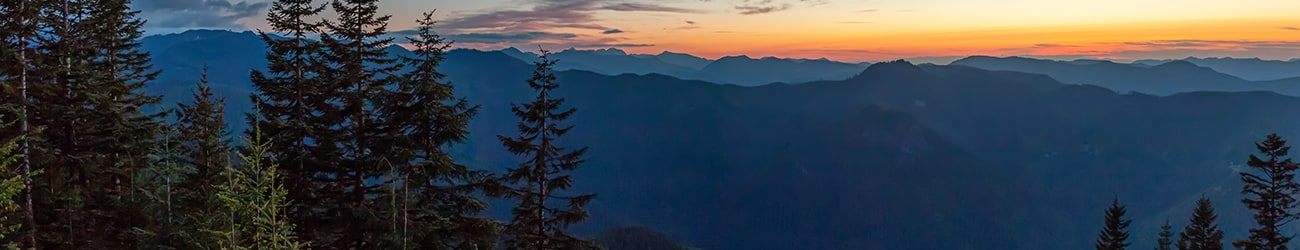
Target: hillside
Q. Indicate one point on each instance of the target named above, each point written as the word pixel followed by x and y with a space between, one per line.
pixel 894 157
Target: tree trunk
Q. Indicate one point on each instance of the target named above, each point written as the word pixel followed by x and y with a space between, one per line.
pixel 24 164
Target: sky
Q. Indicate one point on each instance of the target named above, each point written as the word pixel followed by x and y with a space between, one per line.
pixel 845 30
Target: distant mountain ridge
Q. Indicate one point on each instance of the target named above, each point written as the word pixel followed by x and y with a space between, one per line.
pixel 1166 78
pixel 1253 69
pixel 739 70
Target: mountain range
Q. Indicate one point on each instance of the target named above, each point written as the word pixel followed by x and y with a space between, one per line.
pixel 985 153
pixel 739 70
pixel 1165 78
pixel 1253 69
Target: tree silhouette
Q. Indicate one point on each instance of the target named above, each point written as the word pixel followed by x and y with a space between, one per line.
pixel 1270 194
pixel 1163 242
pixel 1202 233
pixel 537 223
pixel 288 100
pixel 433 199
pixel 1114 236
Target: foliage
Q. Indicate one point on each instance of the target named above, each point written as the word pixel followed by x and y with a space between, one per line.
pixel 538 182
pixel 11 185
pixel 256 200
pixel 163 223
pixel 288 98
pixel 205 153
pixel 1164 242
pixel 92 135
pixel 433 196
pixel 1271 193
pixel 1202 233
pixel 18 30
pixel 1114 236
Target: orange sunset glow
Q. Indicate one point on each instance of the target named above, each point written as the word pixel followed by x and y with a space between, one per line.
pixel 884 30
pixel 870 30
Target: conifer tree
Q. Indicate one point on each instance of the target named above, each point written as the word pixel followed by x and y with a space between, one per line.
pixel 256 199
pixel 163 224
pixel 345 209
pixel 1164 242
pixel 535 184
pixel 118 73
pixel 18 30
pixel 434 197
pixel 54 106
pixel 203 145
pixel 11 184
pixel 288 98
pixel 1270 192
pixel 206 153
pixel 1202 233
pixel 1114 236
pixel 94 135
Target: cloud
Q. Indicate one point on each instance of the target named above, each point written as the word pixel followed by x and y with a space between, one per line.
pixel 539 22
pixel 752 7
pixel 549 14
pixel 198 13
pixel 1233 45
pixel 647 7
pixel 1054 45
pixel 497 38
pixel 690 25
pixel 1153 49
pixel 761 9
pixel 1290 28
pixel 608 45
pixel 815 2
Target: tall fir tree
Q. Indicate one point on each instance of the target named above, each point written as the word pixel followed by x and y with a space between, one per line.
pixel 54 106
pixel 94 133
pixel 203 148
pixel 1164 239
pixel 1270 193
pixel 289 96
pixel 432 196
pixel 18 29
pixel 1202 233
pixel 203 133
pixel 347 213
pixel 119 71
pixel 535 184
pixel 1114 236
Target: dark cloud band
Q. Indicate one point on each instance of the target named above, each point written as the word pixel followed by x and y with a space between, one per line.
pixel 198 13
